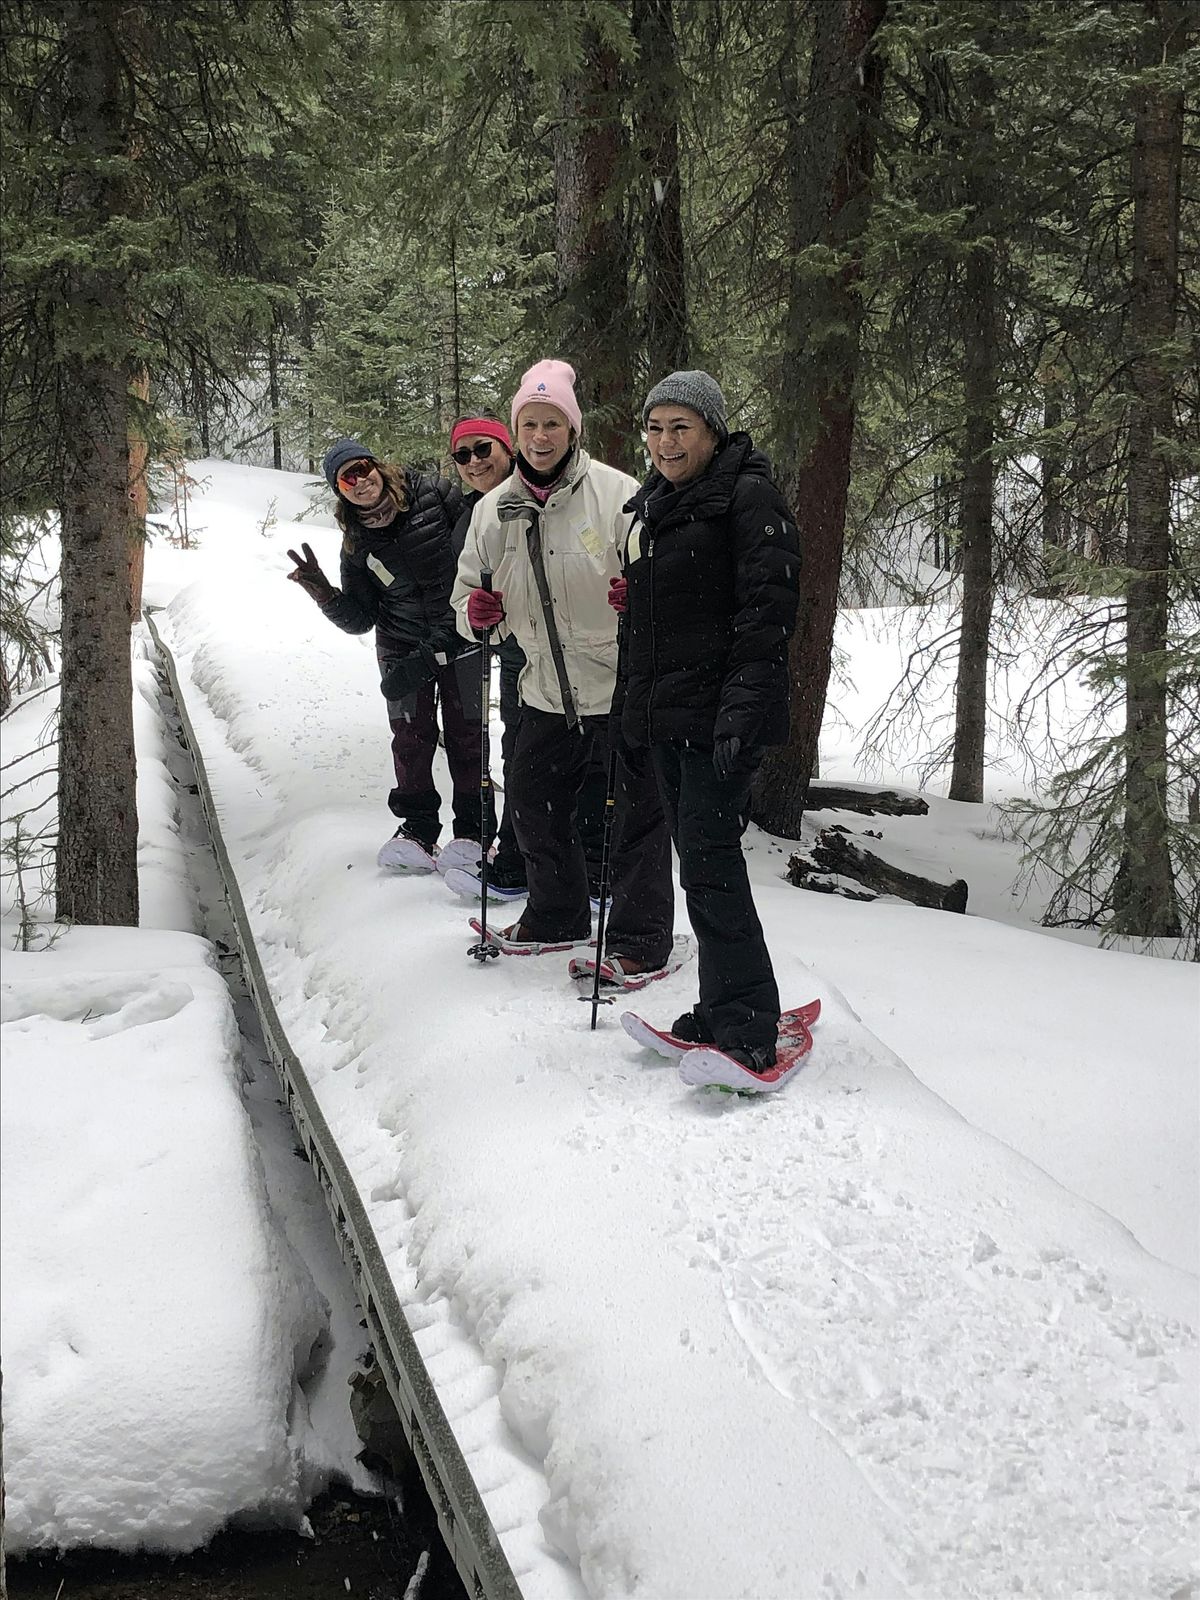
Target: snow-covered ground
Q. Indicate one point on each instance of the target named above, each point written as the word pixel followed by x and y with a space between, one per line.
pixel 154 1318
pixel 919 1325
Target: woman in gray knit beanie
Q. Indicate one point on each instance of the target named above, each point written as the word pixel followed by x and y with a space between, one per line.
pixel 699 393
pixel 709 588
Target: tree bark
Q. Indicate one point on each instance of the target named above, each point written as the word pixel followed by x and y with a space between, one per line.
pixel 979 424
pixel 273 396
pixel 452 352
pixel 592 249
pixel 656 129
pixel 96 879
pixel 1144 891
pixel 1055 531
pixel 139 494
pixel 835 852
pixel 865 802
pixel 829 173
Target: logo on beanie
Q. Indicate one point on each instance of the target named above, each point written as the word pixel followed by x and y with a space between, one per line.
pixel 541 388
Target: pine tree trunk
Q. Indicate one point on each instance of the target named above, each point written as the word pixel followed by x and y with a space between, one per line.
pixel 139 495
pixel 829 172
pixel 451 353
pixel 97 812
pixel 978 580
pixel 201 398
pixel 656 128
pixel 979 406
pixel 1054 510
pixel 592 250
pixel 1144 892
pixel 273 396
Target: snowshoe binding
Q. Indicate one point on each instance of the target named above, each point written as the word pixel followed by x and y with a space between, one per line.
pixel 613 977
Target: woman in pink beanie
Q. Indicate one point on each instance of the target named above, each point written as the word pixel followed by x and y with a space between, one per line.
pixel 552 537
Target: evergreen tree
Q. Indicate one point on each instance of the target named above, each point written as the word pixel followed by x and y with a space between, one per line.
pixel 134 213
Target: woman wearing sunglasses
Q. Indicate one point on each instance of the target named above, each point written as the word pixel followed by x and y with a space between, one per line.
pixel 397 569
pixel 550 536
pixel 481 449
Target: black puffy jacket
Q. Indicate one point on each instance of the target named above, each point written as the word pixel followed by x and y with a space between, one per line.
pixel 397 579
pixel 713 570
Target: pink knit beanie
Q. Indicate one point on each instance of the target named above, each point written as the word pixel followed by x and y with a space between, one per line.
pixel 553 383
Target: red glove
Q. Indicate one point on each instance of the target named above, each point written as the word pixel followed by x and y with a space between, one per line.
pixel 484 608
pixel 618 594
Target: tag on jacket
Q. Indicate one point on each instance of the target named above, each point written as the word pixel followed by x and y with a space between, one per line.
pixel 590 539
pixel 633 545
pixel 386 578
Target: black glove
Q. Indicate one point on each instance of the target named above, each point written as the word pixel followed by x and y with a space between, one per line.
pixel 725 754
pixel 408 674
pixel 309 576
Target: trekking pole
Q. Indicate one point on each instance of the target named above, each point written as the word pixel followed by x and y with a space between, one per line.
pixel 487 949
pixel 596 999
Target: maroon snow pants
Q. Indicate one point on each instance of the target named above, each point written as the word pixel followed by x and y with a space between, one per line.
pixel 458 689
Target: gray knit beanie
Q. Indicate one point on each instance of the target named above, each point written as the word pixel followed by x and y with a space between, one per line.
pixel 694 389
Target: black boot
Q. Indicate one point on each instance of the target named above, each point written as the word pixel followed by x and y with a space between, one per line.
pixel 757 1057
pixel 692 1028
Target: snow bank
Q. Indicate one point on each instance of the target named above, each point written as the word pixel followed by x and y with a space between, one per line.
pixel 154 1322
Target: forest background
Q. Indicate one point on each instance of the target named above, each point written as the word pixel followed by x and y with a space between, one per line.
pixel 940 254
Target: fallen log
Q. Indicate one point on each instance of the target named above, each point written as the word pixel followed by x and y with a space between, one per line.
pixel 836 853
pixel 866 802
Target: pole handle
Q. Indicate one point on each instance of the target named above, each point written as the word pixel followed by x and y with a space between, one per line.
pixel 485 580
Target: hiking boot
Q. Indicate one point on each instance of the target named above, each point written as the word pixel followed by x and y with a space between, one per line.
pixel 404 853
pixel 507 877
pixel 755 1057
pixel 692 1028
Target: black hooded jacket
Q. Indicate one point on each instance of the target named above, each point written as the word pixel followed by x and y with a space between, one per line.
pixel 713 570
pixel 397 579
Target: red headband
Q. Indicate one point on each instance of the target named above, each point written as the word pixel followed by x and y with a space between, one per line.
pixel 488 427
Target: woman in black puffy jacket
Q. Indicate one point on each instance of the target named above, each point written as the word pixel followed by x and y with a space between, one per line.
pixel 397 569
pixel 710 585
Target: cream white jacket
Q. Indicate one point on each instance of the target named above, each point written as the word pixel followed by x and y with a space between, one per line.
pixel 583 531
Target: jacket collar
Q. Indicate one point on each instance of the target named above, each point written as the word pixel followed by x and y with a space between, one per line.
pixel 709 495
pixel 515 494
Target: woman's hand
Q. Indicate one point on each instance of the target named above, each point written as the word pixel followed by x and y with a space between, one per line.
pixel 485 608
pixel 309 576
pixel 618 594
pixel 725 754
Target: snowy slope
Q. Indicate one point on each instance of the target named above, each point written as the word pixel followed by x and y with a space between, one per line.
pixel 154 1319
pixel 842 1343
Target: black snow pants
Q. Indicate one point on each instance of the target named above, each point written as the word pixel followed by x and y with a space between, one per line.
pixel 590 819
pixel 549 771
pixel 458 688
pixel 707 816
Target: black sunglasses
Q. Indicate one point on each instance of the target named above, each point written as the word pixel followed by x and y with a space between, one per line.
pixel 463 454
pixel 351 474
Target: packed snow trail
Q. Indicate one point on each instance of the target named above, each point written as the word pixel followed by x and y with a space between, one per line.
pixel 833 1343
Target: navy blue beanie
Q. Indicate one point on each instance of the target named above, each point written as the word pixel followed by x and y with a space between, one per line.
pixel 339 454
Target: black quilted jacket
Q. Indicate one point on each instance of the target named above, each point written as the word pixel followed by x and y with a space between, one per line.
pixel 397 579
pixel 713 570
